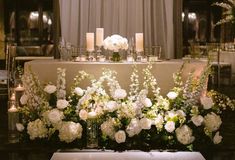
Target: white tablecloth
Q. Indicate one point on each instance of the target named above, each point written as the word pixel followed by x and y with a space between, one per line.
pixel 128 155
pixel 163 71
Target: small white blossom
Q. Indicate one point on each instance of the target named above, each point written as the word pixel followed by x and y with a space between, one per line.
pixel 62 103
pixel 120 136
pixel 170 126
pixel 50 89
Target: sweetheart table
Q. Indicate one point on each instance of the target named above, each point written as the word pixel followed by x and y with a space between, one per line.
pixel 163 71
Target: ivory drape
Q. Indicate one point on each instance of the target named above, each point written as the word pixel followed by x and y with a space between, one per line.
pixel 125 17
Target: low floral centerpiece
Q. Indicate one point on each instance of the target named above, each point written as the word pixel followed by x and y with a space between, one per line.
pixel 104 115
pixel 115 43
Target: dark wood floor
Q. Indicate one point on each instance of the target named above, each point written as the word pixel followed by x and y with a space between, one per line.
pixel 226 151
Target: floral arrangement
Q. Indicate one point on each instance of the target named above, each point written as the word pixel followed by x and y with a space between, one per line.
pixel 115 43
pixel 141 119
pixel 229 13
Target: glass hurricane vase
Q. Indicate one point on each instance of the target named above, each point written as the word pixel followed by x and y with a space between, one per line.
pixel 92 133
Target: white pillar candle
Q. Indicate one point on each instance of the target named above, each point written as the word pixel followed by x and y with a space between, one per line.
pixel 13 97
pixel 139 42
pixel 99 36
pixel 90 42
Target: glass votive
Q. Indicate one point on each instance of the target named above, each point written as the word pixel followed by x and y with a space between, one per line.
pixel 153 58
pixel 83 58
pixel 101 58
pixel 144 59
pixel 130 58
pixel 13 118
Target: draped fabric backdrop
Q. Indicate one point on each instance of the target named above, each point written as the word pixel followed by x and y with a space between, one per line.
pixel 125 17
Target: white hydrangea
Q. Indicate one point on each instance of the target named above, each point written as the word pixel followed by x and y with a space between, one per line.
pixel 145 123
pixel 207 102
pixel 24 99
pixel 120 136
pixel 62 103
pixel 119 94
pixel 108 129
pixel 19 127
pixel 78 91
pixel 83 114
pixel 172 95
pixel 115 43
pixel 170 126
pixel 184 135
pixel 217 138
pixel 111 106
pixel 212 121
pixel 37 129
pixel 70 131
pixel 197 120
pixel 147 102
pixel 133 128
pixel 50 88
pixel 55 116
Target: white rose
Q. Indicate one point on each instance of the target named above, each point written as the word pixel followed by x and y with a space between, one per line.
pixel 24 99
pixel 172 95
pixel 197 120
pixel 170 126
pixel 62 103
pixel 147 102
pixel 120 136
pixel 217 138
pixel 184 135
pixel 207 102
pixel 212 121
pixel 111 106
pixel 55 116
pixel 119 94
pixel 19 127
pixel 83 114
pixel 70 131
pixel 78 91
pixel 50 88
pixel 92 115
pixel 145 123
